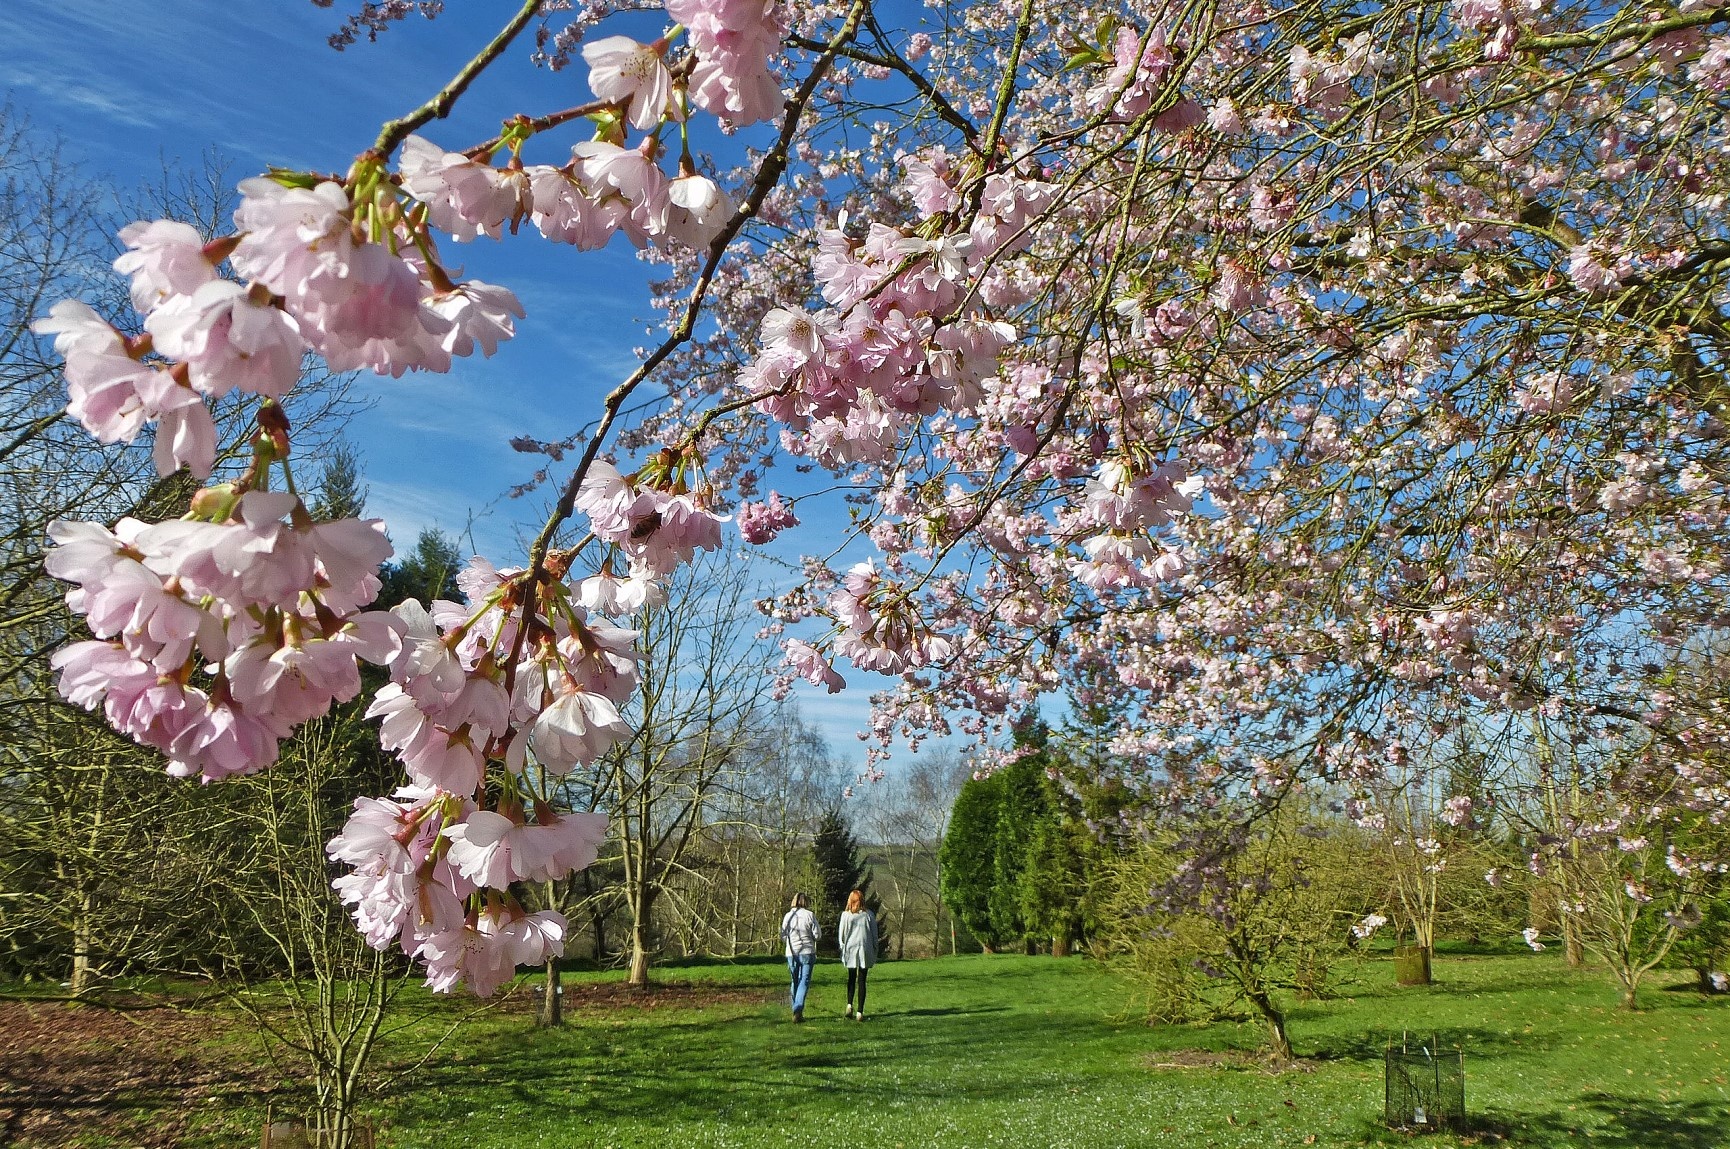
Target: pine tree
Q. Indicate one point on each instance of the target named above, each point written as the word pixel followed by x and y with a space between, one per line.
pixel 340 493
pixel 1022 809
pixel 425 573
pixel 1054 880
pixel 840 870
pixel 1023 806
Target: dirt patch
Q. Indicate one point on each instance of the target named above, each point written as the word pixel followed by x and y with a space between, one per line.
pixel 1223 1059
pixel 73 1073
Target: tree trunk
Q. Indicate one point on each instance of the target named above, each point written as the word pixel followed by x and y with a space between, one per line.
pixel 1028 947
pixel 642 905
pixel 1412 965
pixel 639 977
pixel 1572 945
pixel 1630 980
pixel 1279 1044
pixel 552 998
pixel 79 983
pixel 1059 946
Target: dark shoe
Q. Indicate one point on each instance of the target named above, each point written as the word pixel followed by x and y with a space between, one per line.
pixel 798 1015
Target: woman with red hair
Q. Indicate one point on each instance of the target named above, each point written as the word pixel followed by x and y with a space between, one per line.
pixel 858 936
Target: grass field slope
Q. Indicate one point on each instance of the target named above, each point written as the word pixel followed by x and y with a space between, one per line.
pixel 1032 1051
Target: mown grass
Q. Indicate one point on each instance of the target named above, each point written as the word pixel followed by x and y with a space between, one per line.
pixel 982 1051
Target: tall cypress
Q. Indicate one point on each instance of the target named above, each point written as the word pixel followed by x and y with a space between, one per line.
pixel 967 859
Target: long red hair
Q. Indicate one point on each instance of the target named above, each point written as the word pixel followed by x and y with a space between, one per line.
pixel 855 902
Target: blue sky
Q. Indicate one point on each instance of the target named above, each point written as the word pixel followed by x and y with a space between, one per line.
pixel 132 87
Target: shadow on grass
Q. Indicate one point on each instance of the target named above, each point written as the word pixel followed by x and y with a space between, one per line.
pixel 1475 1042
pixel 1703 993
pixel 1603 1120
pixel 953 1012
pixel 758 1063
pixel 1616 1121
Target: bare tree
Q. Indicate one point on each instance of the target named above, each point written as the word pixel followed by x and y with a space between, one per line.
pixel 99 840
pixel 322 999
pixel 907 816
pixel 757 846
pixel 700 716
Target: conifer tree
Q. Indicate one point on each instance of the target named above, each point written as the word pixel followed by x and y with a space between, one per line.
pixel 841 869
pixel 968 857
pixel 425 573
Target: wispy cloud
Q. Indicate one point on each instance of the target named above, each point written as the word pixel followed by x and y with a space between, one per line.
pixel 409 508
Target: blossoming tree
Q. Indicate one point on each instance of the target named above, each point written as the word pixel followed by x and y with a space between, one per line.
pixel 1294 361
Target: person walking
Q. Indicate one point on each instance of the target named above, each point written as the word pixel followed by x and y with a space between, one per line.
pixel 799 929
pixel 858 937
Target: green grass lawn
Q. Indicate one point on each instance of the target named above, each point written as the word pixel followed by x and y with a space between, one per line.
pixel 980 1051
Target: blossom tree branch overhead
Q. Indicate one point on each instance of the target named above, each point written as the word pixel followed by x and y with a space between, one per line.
pixel 1322 372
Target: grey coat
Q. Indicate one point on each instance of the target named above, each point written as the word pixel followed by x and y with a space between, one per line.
pixel 858 939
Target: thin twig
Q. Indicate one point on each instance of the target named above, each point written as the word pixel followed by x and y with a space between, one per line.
pixel 768 175
pixel 437 108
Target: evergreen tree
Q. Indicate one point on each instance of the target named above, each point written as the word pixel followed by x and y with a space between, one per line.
pixel 1022 808
pixel 425 573
pixel 1087 790
pixel 340 493
pixel 1054 881
pixel 968 857
pixel 1024 805
pixel 840 870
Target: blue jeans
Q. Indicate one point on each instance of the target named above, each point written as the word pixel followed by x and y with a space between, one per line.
pixel 799 978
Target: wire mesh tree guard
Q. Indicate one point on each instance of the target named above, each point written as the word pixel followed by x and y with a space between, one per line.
pixel 1426 1086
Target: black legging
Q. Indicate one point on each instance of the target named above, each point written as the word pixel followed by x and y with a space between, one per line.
pixel 856 977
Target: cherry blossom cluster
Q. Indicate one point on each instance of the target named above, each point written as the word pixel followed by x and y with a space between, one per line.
pixel 605 189
pixel 473 684
pixel 761 522
pixel 651 517
pixel 217 635
pixel 432 873
pixel 341 271
pixel 733 41
pixel 267 601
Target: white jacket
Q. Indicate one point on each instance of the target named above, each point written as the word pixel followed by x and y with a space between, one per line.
pixel 799 929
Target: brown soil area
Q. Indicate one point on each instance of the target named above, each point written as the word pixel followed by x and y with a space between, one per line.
pixel 134 1075
pixel 72 1074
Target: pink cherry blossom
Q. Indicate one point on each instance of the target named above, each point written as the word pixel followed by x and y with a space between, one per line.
pixel 808 663
pixel 697 210
pixel 478 314
pixel 622 70
pixel 761 522
pixel 165 259
pixel 229 341
pixel 606 593
pixel 578 727
pixel 464 198
pixel 733 40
